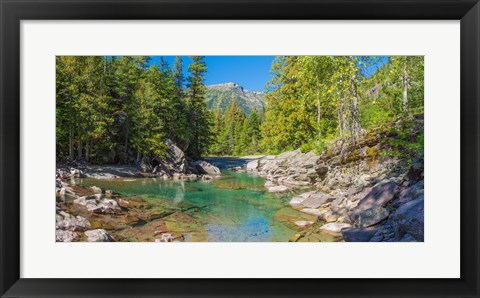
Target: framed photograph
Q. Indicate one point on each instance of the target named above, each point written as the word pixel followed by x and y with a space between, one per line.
pixel 237 148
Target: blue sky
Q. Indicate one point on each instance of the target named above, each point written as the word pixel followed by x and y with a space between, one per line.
pixel 251 72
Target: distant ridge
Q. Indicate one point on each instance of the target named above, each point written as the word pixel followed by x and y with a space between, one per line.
pixel 221 96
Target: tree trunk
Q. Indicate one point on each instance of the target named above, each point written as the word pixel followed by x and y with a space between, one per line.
pixel 355 121
pixel 87 149
pixel 139 157
pixel 127 128
pixel 319 115
pixel 70 142
pixel 79 147
pixel 405 89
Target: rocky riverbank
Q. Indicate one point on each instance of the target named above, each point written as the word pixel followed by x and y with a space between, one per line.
pixel 100 215
pixel 372 190
pixel 365 192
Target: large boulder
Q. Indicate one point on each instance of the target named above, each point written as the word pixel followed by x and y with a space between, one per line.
pixel 97 203
pixel 98 235
pixel 372 216
pixel 291 168
pixel 411 193
pixel 410 218
pixel 203 167
pixel 173 161
pixel 380 195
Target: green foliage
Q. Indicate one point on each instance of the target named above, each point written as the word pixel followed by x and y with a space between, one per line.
pixel 313 100
pixel 119 109
pixel 234 133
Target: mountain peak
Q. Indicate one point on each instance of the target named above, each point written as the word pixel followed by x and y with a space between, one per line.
pixel 220 96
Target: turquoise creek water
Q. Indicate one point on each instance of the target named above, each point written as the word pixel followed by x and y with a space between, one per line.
pixel 235 207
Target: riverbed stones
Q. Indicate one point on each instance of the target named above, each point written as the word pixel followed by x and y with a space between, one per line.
pixel 98 235
pixel 96 203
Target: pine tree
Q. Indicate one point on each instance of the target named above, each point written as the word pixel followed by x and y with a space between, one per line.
pixel 199 117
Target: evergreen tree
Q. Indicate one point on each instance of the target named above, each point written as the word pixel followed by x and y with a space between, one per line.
pixel 199 117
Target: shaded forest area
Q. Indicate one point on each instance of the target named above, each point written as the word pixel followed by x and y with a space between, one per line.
pixel 121 109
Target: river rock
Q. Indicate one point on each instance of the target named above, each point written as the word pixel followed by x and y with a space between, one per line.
pixel 379 196
pixel 292 168
pixel 65 236
pixel 330 216
pixel 96 203
pixel 358 234
pixel 335 227
pixel 303 223
pixel 278 188
pixel 252 165
pixel 65 221
pixel 96 189
pixel 372 216
pixel 410 218
pixel 312 211
pixel 416 170
pixel 311 199
pixel 317 199
pixel 77 173
pixel 411 193
pixel 98 235
pixel 174 161
pixel 203 167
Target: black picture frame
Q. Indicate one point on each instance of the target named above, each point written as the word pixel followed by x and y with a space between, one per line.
pixel 13 11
